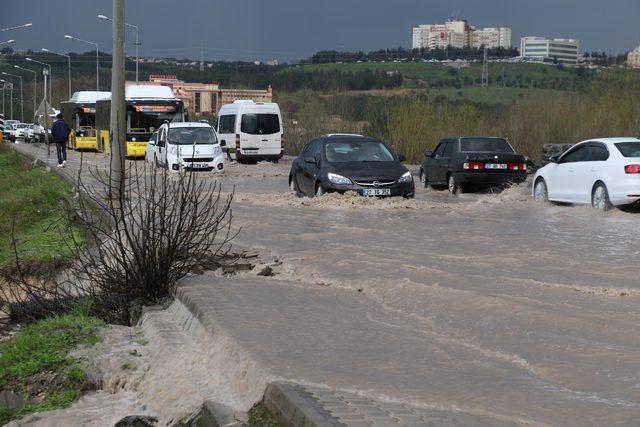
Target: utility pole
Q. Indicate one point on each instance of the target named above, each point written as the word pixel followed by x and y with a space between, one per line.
pixel 45 73
pixel 118 127
pixel 201 56
pixel 485 68
pixel 11 99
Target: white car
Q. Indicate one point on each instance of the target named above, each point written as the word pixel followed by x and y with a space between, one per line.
pixel 21 132
pixel 188 146
pixel 603 172
pixel 31 136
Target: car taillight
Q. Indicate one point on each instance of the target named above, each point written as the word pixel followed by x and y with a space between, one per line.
pixel 517 166
pixel 473 166
pixel 282 141
pixel 632 169
pixel 237 141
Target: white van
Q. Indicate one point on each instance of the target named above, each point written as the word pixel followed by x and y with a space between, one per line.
pixel 254 128
pixel 188 146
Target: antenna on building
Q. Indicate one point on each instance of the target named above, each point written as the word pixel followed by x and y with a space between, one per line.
pixel 485 68
pixel 201 56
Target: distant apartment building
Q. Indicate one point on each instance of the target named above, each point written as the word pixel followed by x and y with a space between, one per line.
pixel 459 34
pixel 563 51
pixel 633 60
pixel 205 98
pixel 491 37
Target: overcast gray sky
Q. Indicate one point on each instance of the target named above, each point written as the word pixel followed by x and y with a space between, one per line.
pixel 293 29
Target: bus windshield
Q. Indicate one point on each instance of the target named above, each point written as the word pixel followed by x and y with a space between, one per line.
pixel 85 117
pixel 148 117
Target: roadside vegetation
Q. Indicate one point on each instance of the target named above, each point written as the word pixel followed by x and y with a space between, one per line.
pixel 415 122
pixel 36 367
pixel 31 203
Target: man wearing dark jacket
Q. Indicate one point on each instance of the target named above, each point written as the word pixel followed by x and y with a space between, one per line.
pixel 60 132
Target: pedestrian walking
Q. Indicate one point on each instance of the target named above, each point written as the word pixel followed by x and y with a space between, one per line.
pixel 60 132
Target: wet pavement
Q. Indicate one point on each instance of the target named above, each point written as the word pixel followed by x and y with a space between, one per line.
pixel 525 311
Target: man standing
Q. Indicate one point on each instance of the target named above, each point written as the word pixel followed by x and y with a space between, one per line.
pixel 60 132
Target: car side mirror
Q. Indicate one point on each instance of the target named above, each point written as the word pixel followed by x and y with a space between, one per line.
pixel 223 143
pixel 311 160
pixel 554 159
pixel 402 158
pixel 428 154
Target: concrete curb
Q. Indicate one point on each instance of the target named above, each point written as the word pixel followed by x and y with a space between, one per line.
pixel 292 406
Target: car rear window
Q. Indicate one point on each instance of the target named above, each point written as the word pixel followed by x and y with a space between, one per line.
pixel 227 124
pixel 260 124
pixel 629 149
pixel 485 145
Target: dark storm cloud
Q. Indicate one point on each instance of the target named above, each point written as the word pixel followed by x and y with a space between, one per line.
pixel 286 29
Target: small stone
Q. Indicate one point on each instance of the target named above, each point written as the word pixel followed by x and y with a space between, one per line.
pixel 267 271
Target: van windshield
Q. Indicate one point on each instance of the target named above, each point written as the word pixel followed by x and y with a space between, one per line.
pixel 260 124
pixel 190 136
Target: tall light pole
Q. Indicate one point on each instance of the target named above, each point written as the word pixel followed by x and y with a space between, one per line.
pixel 4 82
pixel 45 82
pixel 35 86
pixel 68 68
pixel 67 36
pixel 137 44
pixel 17 27
pixel 21 97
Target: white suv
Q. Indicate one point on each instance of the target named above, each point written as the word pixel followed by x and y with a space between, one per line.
pixel 188 146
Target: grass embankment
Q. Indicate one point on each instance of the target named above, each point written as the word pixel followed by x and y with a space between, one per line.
pixel 32 199
pixel 36 364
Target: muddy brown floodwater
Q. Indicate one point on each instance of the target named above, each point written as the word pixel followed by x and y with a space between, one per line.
pixel 550 294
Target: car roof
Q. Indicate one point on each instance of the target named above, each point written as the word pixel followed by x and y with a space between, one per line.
pixel 346 137
pixel 190 125
pixel 610 141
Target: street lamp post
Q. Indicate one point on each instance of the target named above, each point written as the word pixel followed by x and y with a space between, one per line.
pixel 35 86
pixel 50 77
pixel 3 84
pixel 68 69
pixel 67 36
pixel 16 27
pixel 137 44
pixel 21 97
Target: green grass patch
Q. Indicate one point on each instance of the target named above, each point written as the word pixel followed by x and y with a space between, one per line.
pixel 36 364
pixel 494 95
pixel 259 416
pixel 33 198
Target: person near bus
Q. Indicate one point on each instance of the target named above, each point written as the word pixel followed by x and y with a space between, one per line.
pixel 60 132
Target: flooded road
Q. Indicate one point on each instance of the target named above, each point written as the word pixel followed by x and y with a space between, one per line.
pixel 489 304
pixel 551 292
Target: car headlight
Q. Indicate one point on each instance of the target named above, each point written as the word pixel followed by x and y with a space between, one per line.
pixel 334 178
pixel 217 151
pixel 173 150
pixel 406 177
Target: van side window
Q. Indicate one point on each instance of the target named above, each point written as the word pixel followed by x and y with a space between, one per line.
pixel 227 124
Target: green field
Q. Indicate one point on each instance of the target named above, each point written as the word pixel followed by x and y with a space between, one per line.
pixel 494 95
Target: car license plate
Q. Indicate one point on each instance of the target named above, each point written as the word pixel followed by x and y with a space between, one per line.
pixel 198 165
pixel 373 192
pixel 495 166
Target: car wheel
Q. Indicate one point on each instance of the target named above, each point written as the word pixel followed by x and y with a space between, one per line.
pixel 454 187
pixel 600 198
pixel 423 180
pixel 540 191
pixel 319 190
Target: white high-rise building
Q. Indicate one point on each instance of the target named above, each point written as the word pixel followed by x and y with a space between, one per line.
pixel 633 60
pixel 564 51
pixel 459 34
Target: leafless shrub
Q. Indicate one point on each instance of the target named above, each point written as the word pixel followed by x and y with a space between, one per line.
pixel 135 249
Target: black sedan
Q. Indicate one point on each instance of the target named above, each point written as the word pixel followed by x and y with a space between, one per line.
pixel 465 162
pixel 341 163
